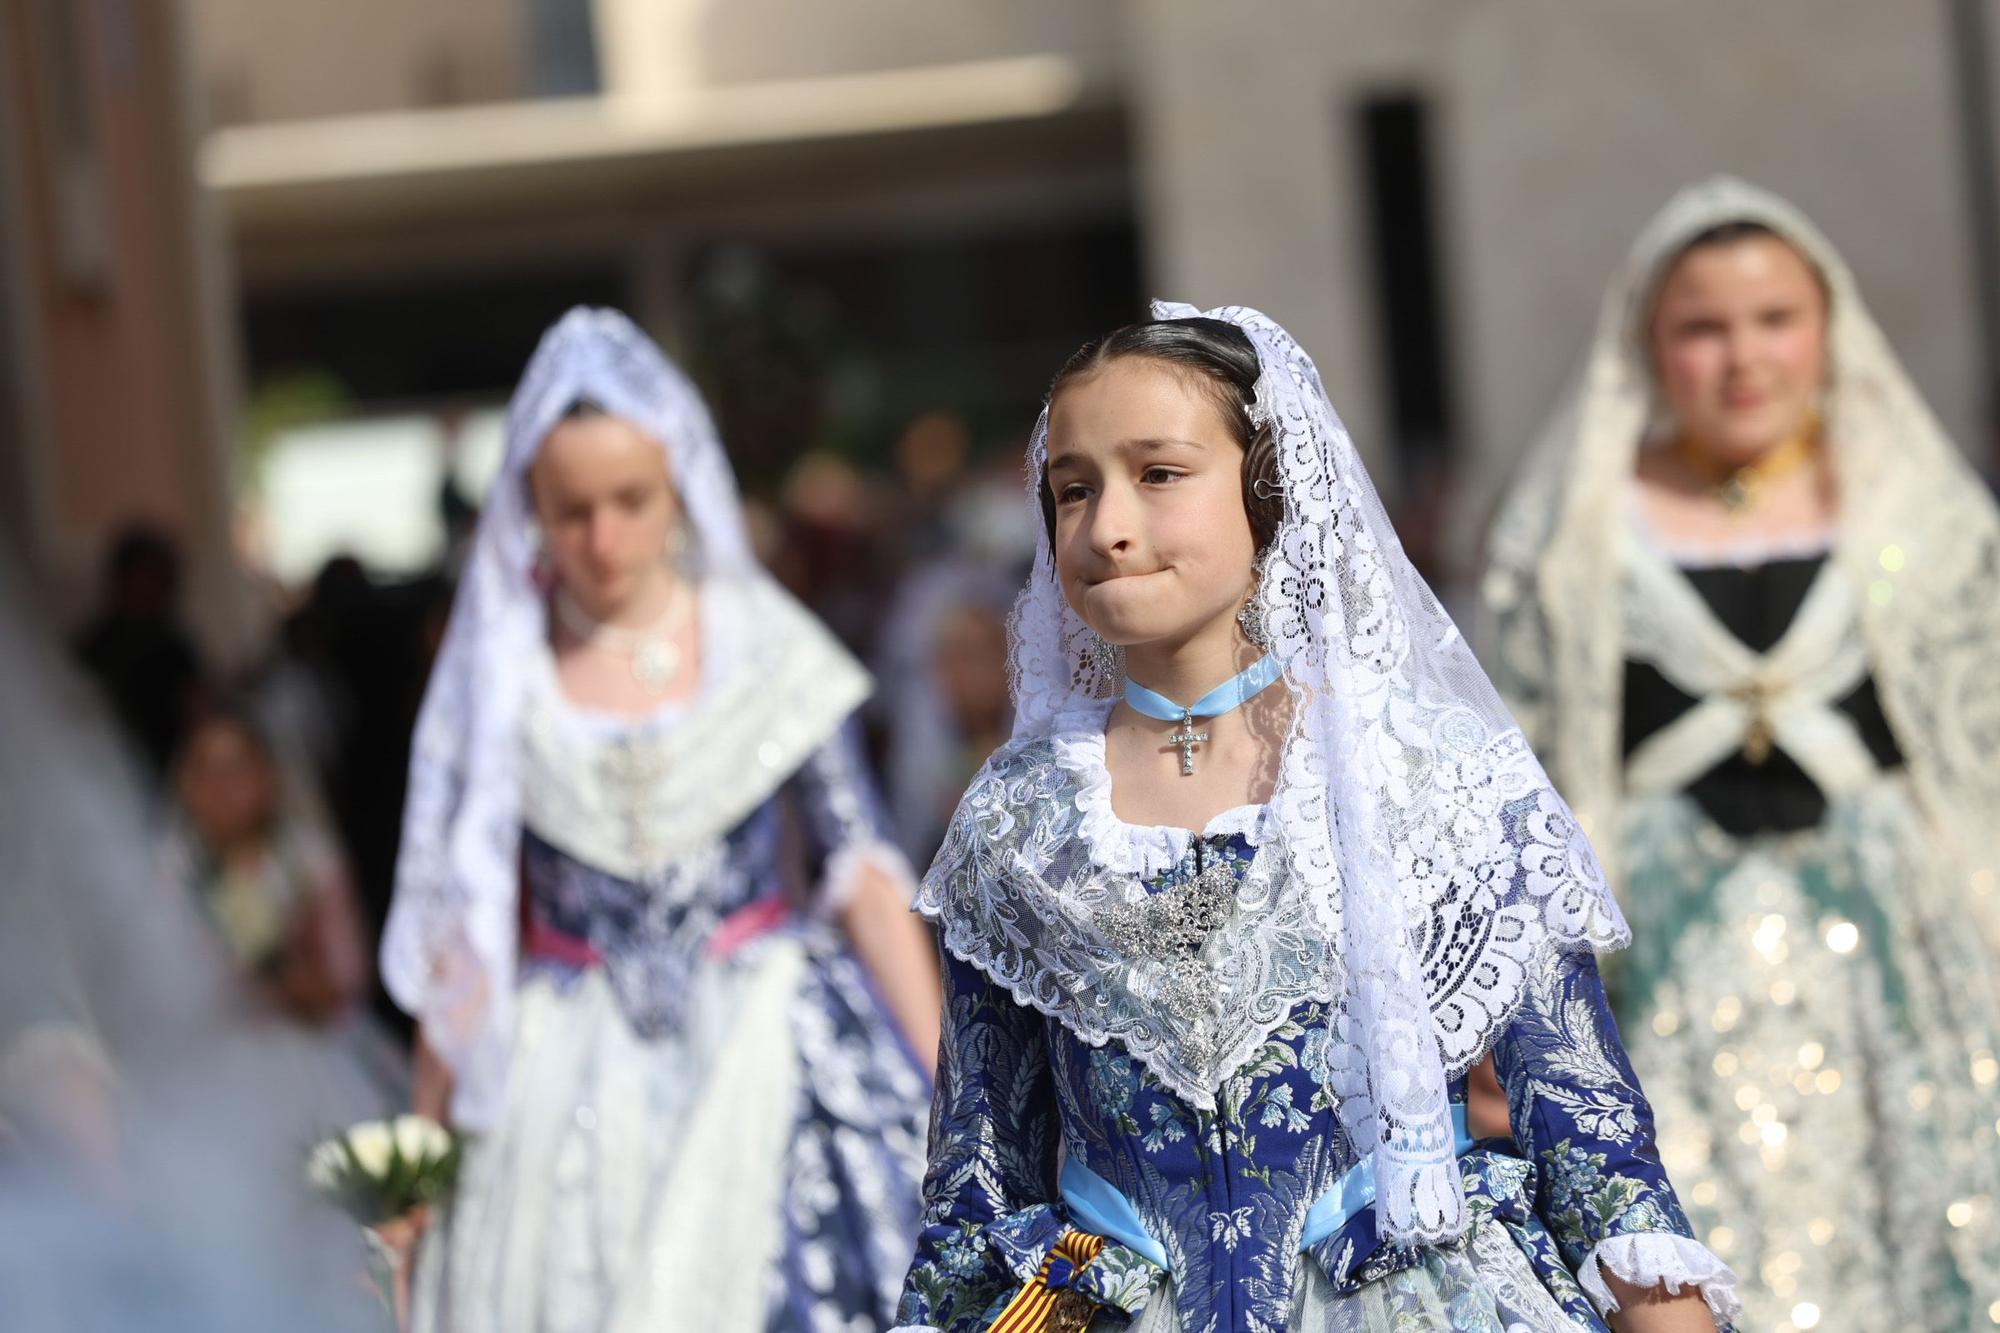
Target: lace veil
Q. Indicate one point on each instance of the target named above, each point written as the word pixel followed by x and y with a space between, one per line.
pixel 1423 861
pixel 1918 537
pixel 448 950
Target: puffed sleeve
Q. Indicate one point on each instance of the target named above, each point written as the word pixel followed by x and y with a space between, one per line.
pixel 1578 1112
pixel 846 830
pixel 988 1219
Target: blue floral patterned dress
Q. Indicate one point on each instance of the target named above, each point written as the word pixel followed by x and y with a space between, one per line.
pixel 1225 1196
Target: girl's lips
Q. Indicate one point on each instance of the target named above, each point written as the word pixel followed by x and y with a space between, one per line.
pixel 1120 578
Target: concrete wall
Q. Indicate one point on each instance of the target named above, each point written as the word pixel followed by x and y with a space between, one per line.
pixel 265 60
pixel 766 39
pixel 1560 130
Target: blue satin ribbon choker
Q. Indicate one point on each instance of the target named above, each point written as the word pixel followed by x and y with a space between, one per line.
pixel 1238 690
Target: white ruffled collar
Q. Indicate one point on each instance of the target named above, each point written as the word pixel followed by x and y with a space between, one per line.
pixel 1145 850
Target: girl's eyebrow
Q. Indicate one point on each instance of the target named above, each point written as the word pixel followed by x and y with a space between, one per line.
pixel 1142 445
pixel 1156 443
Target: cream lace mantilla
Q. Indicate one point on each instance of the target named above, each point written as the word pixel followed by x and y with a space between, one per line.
pixel 1917 547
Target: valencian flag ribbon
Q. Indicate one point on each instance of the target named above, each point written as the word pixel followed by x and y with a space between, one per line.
pixel 1050 1303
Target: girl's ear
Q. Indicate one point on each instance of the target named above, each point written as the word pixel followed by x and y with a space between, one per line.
pixel 1263 489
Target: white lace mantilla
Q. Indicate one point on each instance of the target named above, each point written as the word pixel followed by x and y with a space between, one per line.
pixel 1424 856
pixel 633 799
pixel 1031 870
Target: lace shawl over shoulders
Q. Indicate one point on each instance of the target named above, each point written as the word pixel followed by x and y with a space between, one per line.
pixel 1021 890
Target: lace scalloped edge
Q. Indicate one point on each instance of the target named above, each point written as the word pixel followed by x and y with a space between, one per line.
pixel 1660 1258
pixel 1133 849
pixel 1551 944
pixel 952 934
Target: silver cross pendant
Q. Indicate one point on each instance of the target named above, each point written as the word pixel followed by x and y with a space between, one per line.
pixel 1187 738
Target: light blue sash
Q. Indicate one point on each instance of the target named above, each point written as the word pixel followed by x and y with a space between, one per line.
pixel 1101 1208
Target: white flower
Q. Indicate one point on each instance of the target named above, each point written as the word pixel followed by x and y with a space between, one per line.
pixel 326 1165
pixel 372 1144
pixel 421 1139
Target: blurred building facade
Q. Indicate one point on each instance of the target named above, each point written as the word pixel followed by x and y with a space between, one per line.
pixel 1431 193
pixel 117 342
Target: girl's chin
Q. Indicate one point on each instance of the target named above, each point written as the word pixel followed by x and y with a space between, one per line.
pixel 602 601
pixel 1746 440
pixel 1144 632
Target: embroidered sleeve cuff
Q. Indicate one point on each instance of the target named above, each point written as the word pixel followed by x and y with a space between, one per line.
pixel 1120 1277
pixel 1660 1259
pixel 846 868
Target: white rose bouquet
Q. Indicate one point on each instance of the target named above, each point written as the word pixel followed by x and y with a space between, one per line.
pixel 382 1170
pixel 386 1175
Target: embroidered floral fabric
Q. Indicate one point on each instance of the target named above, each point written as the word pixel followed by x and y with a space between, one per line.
pixel 1224 1184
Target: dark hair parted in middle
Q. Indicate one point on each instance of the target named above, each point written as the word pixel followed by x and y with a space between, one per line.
pixel 1219 358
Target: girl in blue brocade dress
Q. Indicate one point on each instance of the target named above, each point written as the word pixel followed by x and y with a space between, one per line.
pixel 1216 1081
pixel 646 913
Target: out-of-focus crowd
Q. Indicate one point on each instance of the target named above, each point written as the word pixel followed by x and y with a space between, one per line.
pixel 277 790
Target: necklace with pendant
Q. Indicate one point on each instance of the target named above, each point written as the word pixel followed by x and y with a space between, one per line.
pixel 1741 488
pixel 654 656
pixel 1238 690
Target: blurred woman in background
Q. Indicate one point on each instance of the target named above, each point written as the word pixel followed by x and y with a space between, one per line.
pixel 1746 609
pixel 694 1075
pixel 268 878
pixel 946 640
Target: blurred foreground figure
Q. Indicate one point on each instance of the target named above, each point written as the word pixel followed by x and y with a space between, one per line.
pixel 1747 610
pixel 150 1138
pixel 680 1067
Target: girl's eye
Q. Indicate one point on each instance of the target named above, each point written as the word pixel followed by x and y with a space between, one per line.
pixel 1159 476
pixel 1073 493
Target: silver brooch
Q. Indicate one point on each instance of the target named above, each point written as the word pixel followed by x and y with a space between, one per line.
pixel 1170 927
